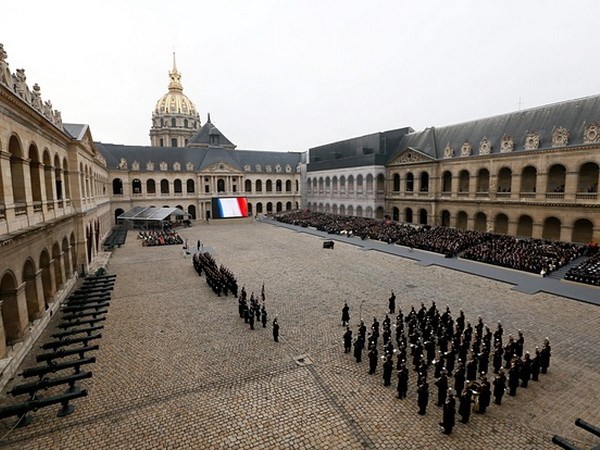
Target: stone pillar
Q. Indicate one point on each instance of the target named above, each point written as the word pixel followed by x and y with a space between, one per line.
pixel 570 185
pixel 566 232
pixel 536 230
pixel 60 284
pixel 35 306
pixel 7 186
pixel 2 335
pixel 40 290
pixel 52 278
pixel 515 186
pixel 541 185
pixel 512 228
pixel 14 312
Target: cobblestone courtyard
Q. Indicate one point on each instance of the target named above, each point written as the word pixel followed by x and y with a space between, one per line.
pixel 178 368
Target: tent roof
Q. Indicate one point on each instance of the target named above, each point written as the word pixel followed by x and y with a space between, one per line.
pixel 146 213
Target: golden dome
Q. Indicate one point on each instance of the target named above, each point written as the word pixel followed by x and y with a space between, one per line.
pixel 175 101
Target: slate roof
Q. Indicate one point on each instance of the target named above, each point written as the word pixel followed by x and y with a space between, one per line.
pixel 371 149
pixel 202 136
pixel 201 157
pixel 571 114
pixel 75 130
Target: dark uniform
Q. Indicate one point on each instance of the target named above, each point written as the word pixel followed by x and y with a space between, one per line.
pixel 525 372
pixel 499 388
pixel 372 360
pixel 449 415
pixel 545 356
pixel 345 314
pixel 275 330
pixel 484 396
pixel 392 303
pixel 464 405
pixel 535 365
pixel 347 340
pixel 402 382
pixel 442 384
pixel 423 397
pixel 388 366
pixel 359 344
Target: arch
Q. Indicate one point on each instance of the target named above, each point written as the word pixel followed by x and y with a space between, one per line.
pixel 259 208
pixel 525 226
pixel 369 212
pixel 17 165
pixel 359 185
pixel 447 181
pixel 583 231
pixel 334 184
pixel 395 214
pixel 288 206
pixel 48 186
pixel 151 186
pixel 180 207
pixel 47 287
pixel 369 182
pixel 396 183
pixel 117 186
pixel 173 122
pixel 320 207
pixel 269 207
pixel 501 224
pixel 359 211
pixel 136 186
pixel 321 184
pixel 192 212
pixel 342 210
pixel 118 212
pixel 278 207
pixel 424 182
pixel 297 185
pixel 68 193
pixel 35 174
pixel 551 229
pixel 327 208
pixel 445 218
pixel 409 182
pixel 164 186
pixel 343 183
pixel 247 186
pixel 334 209
pixel 422 216
pixel 220 185
pixel 350 186
pixel 58 273
pixel 463 181
pixel 379 212
pixel 66 258
pixel 31 293
pixel 288 186
pixel 250 209
pixel 309 186
pixel 177 186
pixel 350 210
pixel 461 220
pixel 480 223
pixel 587 177
pixel 408 215
pixel 483 180
pixel 556 178
pixel 504 182
pixel 269 186
pixel 278 186
pixel 58 178
pixel 258 187
pixel 190 186
pixel 528 179
pixel 309 206
pixel 380 183
pixel 10 309
pixel 73 251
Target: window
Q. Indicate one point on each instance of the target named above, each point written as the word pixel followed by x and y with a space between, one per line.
pixel 162 143
pixel 174 142
pixel 368 151
pixel 173 122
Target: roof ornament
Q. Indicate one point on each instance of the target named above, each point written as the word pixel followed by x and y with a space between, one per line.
pixel 175 84
pixel 208 120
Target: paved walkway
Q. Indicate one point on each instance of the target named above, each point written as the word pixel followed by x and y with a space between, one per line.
pixel 522 281
pixel 177 367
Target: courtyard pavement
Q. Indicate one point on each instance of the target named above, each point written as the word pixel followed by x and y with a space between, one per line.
pixel 178 368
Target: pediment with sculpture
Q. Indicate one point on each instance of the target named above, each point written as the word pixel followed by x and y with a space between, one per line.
pixel 222 167
pixel 411 156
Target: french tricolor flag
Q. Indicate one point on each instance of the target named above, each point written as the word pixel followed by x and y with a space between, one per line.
pixel 232 207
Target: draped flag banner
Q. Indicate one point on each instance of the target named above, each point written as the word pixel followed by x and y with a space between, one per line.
pixel 225 207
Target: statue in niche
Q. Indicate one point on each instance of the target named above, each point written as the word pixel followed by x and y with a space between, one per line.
pixel 122 164
pixel 149 166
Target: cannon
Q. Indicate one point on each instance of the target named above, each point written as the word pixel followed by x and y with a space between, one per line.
pixel 100 277
pixel 45 383
pixel 88 330
pixel 588 427
pixel 54 345
pixel 563 443
pixel 40 371
pixel 81 351
pixel 92 289
pixel 84 307
pixel 87 296
pixel 21 409
pixel 76 316
pixel 76 323
pixel 86 300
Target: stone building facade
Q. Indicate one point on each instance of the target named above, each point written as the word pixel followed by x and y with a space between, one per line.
pixel 531 173
pixel 54 209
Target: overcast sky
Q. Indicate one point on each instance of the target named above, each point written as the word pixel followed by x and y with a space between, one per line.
pixel 290 75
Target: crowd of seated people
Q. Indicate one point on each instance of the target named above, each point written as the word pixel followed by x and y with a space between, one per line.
pixel 589 271
pixel 530 255
pixel 154 238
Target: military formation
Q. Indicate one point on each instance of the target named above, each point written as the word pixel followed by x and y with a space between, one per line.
pixel 222 281
pixel 458 356
pixel 156 238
